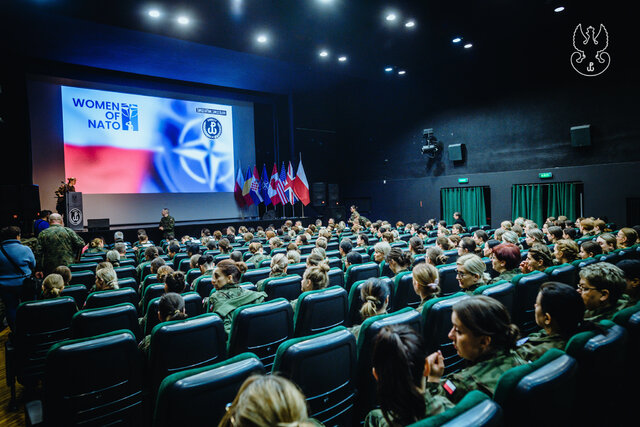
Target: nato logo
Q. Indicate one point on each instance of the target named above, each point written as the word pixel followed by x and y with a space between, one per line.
pixel 211 128
pixel 129 116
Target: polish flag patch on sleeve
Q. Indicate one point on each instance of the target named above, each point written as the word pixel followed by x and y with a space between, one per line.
pixel 448 385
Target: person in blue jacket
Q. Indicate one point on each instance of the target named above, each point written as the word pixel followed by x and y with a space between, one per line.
pixel 12 277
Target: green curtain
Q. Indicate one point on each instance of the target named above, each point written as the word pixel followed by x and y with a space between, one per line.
pixel 561 200
pixel 526 201
pixel 468 201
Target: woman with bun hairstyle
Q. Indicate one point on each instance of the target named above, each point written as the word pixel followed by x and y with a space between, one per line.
pixel 400 366
pixel 538 258
pixel 484 336
pixel 257 252
pixel 106 280
pixel 398 261
pixel 170 307
pixel 374 295
pixel 206 264
pixel 228 295
pixel 416 246
pixel 279 264
pixel 565 251
pixel 425 282
pixel 435 256
pixel 52 286
pixel 313 279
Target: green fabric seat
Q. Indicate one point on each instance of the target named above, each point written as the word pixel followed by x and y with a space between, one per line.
pixel 502 290
pixel 447 279
pixel 360 272
pixel 97 321
pixel 112 297
pixel 527 287
pixel 288 287
pixel 475 409
pixel 564 273
pixel 436 324
pixel 355 302
pixel 403 293
pixel 83 277
pixel 255 275
pixel 83 266
pixel 192 275
pixel 320 310
pixel 150 293
pixel 77 292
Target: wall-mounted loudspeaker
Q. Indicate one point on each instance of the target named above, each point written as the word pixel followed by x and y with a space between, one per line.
pixel 333 194
pixel 581 136
pixel 455 152
pixel 318 193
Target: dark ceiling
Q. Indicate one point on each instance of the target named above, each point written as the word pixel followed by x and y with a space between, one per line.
pixel 509 35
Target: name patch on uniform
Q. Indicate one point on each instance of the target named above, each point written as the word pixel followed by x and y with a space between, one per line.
pixel 448 385
pixel 522 341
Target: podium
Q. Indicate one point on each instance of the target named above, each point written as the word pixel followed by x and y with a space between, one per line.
pixel 75 216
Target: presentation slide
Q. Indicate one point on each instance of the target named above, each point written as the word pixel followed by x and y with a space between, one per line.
pixel 124 143
pixel 136 147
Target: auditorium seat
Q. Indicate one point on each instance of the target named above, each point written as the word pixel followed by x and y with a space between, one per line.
pixel 436 324
pixel 502 290
pixel 297 268
pixel 150 279
pixel 127 271
pixel 97 321
pixel 447 279
pixel 91 258
pixel 335 262
pixel 203 286
pixel 192 304
pixel 83 266
pixel 177 258
pixel 128 282
pixel 261 328
pixel 112 297
pixel 126 262
pixel 527 287
pixel 211 387
pixel 77 292
pixel 611 257
pixel 475 409
pixel 564 273
pixel 320 310
pixel 324 367
pixel 152 292
pixel 288 287
pixel 360 272
pixel 84 277
pixel 403 293
pixel 355 301
pixel 254 276
pixel 549 383
pixel 192 275
pixel 452 256
pixel 306 249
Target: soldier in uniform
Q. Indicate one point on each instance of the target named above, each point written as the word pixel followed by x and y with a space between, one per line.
pixel 167 223
pixel 57 245
pixel 61 194
pixel 601 287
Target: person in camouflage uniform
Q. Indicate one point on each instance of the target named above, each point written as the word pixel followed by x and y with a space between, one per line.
pixel 559 311
pixel 506 261
pixel 601 287
pixel 484 336
pixel 167 223
pixel 228 295
pixel 61 194
pixel 57 245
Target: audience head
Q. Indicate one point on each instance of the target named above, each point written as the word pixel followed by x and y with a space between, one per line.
pixel 236 256
pixel 255 247
pixel 315 277
pixel 534 235
pixel 106 279
pixel 345 246
pixel 293 257
pixel 374 295
pixel 113 257
pixel 175 282
pixel 607 242
pixel 559 309
pixel 151 253
pixel 506 257
pixel 224 245
pixel 380 251
pixel 480 237
pixel 510 236
pixel 279 264
pixel 156 264
pixel 631 270
pixel 52 286
pixel 466 246
pixel 65 272
pixel 626 237
pixel 226 273
pixel 353 257
pixel 416 245
pixel 444 243
pixel 569 233
pixel 362 240
pixel 436 256
pixel 601 285
pixel 471 271
pixel 206 263
pixel 314 259
pixel 425 280
pixel 489 246
pixel 398 260
pixel 539 257
pixel 118 236
pixel 171 307
pixel 193 260
pixel 566 251
pixel 589 249
pixel 163 272
pixel 121 248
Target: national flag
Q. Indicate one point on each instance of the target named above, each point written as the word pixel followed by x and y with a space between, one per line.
pixel 273 187
pixel 237 189
pixel 255 187
pixel 282 180
pixel 301 186
pixel 264 186
pixel 288 187
pixel 246 188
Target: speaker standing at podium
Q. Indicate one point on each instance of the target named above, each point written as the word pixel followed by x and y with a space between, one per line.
pixel 61 194
pixel 167 223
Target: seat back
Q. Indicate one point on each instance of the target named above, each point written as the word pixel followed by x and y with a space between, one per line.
pixel 184 344
pixel 83 266
pixel 77 292
pixel 261 328
pixel 39 325
pixel 319 311
pixel 76 393
pixel 112 297
pixel 126 271
pixel 527 287
pixel 403 293
pixel 503 291
pixel 283 287
pixel 152 315
pixel 549 382
pixel 84 277
pixel 128 282
pixel 192 304
pixel 97 321
pixel 298 268
pixel 203 286
pixel 565 273
pixel 150 279
pixel 211 387
pixel 152 292
pixel 452 256
pixel 436 324
pixel 335 262
pixel 254 276
pixel 192 275
pixel 490 271
pixel 611 257
pixel 447 279
pixel 366 399
pixel 178 258
pixel 475 409
pixel 324 367
pixel 336 277
pixel 361 272
pixel 385 270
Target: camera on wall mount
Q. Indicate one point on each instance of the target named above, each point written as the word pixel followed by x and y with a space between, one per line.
pixel 432 146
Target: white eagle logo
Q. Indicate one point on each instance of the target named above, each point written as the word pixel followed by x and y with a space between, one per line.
pixel 590 58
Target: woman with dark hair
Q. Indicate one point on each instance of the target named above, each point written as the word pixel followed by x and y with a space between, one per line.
pixel 398 261
pixel 443 243
pixel 487 250
pixel 539 258
pixel 374 295
pixel 399 367
pixel 484 336
pixel 416 246
pixel 174 282
pixel 480 237
pixel 506 261
pixel 589 249
pixel 224 245
pixel 362 241
pixel 559 311
pixel 466 246
pixel 206 266
pixel 229 295
pixel 170 307
pixel 435 256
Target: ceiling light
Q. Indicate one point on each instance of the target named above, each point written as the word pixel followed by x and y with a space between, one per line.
pixel 154 13
pixel 391 17
pixel 261 38
pixel 402 72
pixel 324 53
pixel 410 24
pixel 183 20
pixel 388 69
pixel 468 45
pixel 558 9
pixel 342 58
pixel 457 40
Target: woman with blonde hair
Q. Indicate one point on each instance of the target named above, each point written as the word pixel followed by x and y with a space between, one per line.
pixel 436 256
pixel 279 264
pixel 52 286
pixel 566 251
pixel 106 280
pixel 266 401
pixel 425 282
pixel 471 273
pixel 626 237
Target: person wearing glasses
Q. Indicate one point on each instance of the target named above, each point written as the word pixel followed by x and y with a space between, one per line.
pixel 471 273
pixel 601 286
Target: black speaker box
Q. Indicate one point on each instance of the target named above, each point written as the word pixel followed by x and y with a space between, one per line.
pixel 318 193
pixel 101 224
pixel 455 152
pixel 333 193
pixel 581 136
pixel 269 215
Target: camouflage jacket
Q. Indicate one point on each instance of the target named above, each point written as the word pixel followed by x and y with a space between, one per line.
pixel 167 223
pixel 256 259
pixel 482 375
pixel 434 406
pixel 507 275
pixel 536 344
pixel 224 301
pixel 57 245
pixel 605 313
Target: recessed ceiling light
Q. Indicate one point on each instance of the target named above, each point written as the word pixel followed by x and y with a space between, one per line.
pixel 342 58
pixel 261 38
pixel 183 20
pixel 402 72
pixel 457 40
pixel 324 53
pixel 388 69
pixel 558 9
pixel 410 24
pixel 154 13
pixel 391 17
pixel 468 45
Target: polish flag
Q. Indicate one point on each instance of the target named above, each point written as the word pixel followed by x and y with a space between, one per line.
pixel 301 186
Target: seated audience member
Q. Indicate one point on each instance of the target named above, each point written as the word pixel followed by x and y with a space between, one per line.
pixel 559 311
pixel 236 256
pixel 601 286
pixel 539 258
pixel 229 295
pixel 399 367
pixel 345 247
pixel 171 307
pixel 143 240
pixel 174 281
pixel 444 243
pixel 374 295
pixel 534 235
pixel 599 227
pixel 267 400
pixel 565 251
pixel 457 229
pixel 321 242
pixel 319 251
pixel 106 279
pixel 466 246
pixel 471 273
pixel 589 249
pixel 607 242
pixel 113 257
pixel 506 261
pixel 231 234
pixel 96 246
pixel 315 259
pixel 569 233
pixel 193 261
pixel 121 248
pixel 279 264
pixel 388 237
pixel 52 286
pixel 224 245
pixel 480 237
pixel 248 238
pixel 380 251
pixel 626 237
pixel 65 272
pixel 313 279
pixel 352 259
pixel 586 227
pixel 518 230
pixel 631 270
pixel 174 249
pixel 435 256
pixel 506 225
pixel 454 240
pixel 206 264
pixel 554 234
pixel 425 283
pixel 484 336
pixel 156 264
pixel 150 253
pixel 257 253
pixel 293 257
pixel 398 261
pixel 416 246
pixel 363 241
pixel 510 236
pixel 487 250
